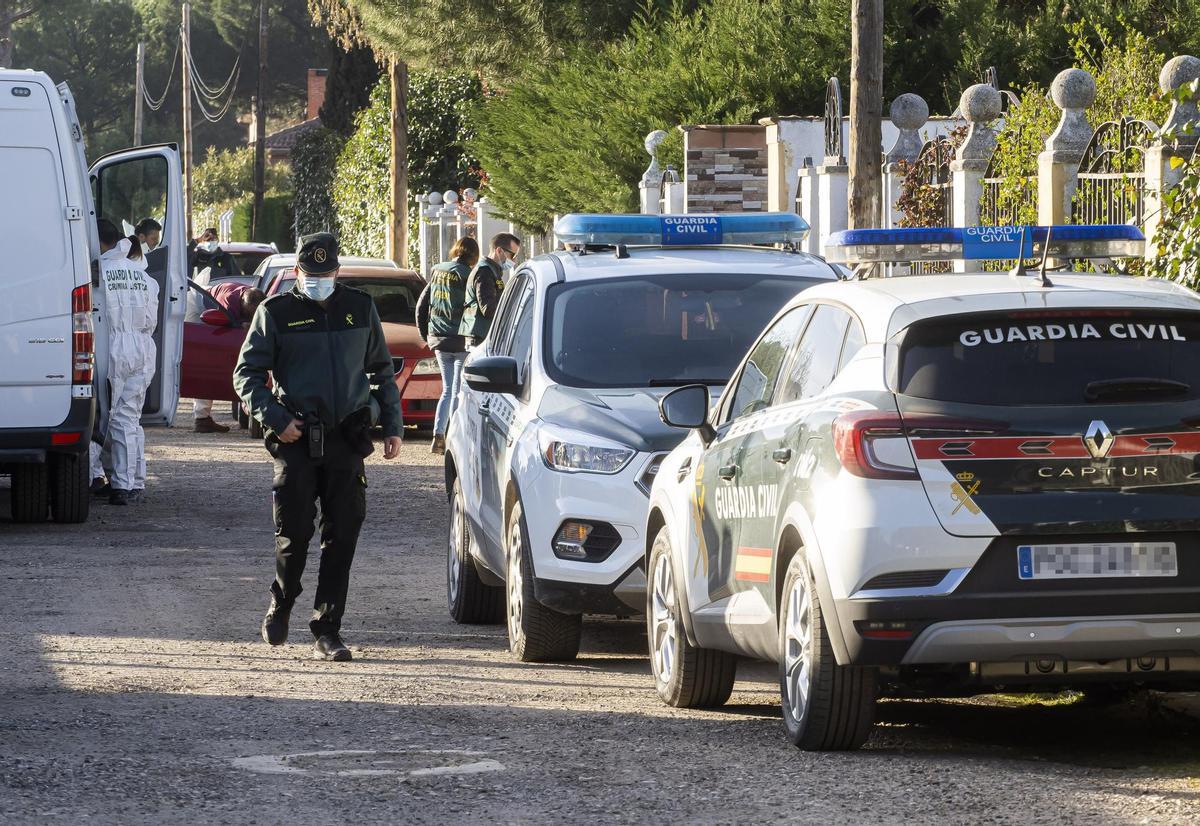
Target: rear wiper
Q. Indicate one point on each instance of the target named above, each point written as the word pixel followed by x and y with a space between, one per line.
pixel 682 382
pixel 1135 388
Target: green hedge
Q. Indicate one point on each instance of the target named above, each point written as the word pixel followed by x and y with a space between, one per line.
pixel 275 227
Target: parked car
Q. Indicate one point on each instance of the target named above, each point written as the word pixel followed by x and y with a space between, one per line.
pixel 273 265
pixel 938 484
pixel 211 346
pixel 53 328
pixel 248 256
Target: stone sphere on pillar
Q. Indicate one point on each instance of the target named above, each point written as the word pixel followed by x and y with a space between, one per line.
pixel 434 198
pixel 469 194
pixel 450 197
pixel 653 140
pixel 909 111
pixel 1178 71
pixel 981 103
pixel 1073 89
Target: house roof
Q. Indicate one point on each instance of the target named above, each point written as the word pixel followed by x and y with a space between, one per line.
pixel 285 139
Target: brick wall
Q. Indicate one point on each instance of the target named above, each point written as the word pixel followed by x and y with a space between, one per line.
pixel 316 92
pixel 725 168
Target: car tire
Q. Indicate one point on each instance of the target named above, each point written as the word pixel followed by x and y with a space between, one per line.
pixel 685 675
pixel 256 428
pixel 31 492
pixel 469 599
pixel 70 491
pixel 536 634
pixel 239 413
pixel 826 706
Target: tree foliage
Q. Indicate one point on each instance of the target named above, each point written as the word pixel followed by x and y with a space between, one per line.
pixel 227 175
pixel 314 159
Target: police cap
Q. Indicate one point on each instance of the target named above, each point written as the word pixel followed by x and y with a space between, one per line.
pixel 318 253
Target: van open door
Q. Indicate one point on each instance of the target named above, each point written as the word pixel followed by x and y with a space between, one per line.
pixel 146 182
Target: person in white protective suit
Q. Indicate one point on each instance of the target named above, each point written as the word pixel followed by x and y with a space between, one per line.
pixel 129 299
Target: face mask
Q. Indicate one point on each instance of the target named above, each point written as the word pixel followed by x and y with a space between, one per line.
pixel 318 288
pixel 508 267
pixel 146 249
pixel 209 246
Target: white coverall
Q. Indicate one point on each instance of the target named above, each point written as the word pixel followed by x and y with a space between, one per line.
pixel 201 408
pixel 130 302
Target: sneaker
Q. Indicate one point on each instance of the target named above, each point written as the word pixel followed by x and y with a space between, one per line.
pixel 207 425
pixel 137 496
pixel 118 497
pixel 438 446
pixel 330 647
pixel 275 623
pixel 101 487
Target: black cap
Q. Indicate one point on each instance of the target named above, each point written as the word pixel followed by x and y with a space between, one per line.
pixel 318 253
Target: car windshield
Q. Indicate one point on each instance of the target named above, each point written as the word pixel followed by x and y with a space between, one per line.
pixel 395 299
pixel 247 262
pixel 658 330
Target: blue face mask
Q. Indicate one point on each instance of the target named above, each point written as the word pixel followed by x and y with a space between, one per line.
pixel 317 287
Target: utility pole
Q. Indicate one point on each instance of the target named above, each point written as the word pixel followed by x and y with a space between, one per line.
pixel 866 112
pixel 398 197
pixel 185 34
pixel 140 83
pixel 11 11
pixel 260 125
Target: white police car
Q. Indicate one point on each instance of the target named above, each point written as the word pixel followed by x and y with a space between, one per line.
pixel 556 439
pixel 941 484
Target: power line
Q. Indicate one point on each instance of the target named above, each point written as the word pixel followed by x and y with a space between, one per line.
pixel 154 104
pixel 208 99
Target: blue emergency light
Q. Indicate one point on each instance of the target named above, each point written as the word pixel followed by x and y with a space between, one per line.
pixel 872 246
pixel 690 230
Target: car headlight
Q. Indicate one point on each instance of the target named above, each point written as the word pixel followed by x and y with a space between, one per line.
pixel 427 367
pixel 572 454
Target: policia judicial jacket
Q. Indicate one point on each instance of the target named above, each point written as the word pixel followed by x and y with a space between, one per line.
pixel 440 307
pixel 483 294
pixel 325 361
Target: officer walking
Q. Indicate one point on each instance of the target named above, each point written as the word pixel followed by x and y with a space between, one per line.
pixel 324 347
pixel 485 285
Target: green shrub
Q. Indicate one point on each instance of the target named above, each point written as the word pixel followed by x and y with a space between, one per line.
pixel 313 161
pixel 275 226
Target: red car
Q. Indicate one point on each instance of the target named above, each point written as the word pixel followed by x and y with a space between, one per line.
pixel 211 346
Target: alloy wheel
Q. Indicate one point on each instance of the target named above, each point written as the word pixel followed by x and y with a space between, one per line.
pixel 516 583
pixel 663 608
pixel 798 648
pixel 454 561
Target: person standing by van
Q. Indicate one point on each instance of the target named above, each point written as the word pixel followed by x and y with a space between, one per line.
pixel 149 234
pixel 129 300
pixel 439 316
pixel 485 285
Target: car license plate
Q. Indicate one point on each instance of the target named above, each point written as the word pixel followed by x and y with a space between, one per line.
pixel 1097 560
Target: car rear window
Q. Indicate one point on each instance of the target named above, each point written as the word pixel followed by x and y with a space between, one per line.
pixel 1053 358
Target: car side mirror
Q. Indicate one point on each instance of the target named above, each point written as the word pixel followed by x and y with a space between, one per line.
pixel 687 407
pixel 493 374
pixel 216 318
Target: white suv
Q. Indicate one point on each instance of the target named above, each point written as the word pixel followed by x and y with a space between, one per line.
pixel 557 439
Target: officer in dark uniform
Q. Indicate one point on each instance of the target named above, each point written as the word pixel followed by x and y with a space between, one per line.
pixel 205 251
pixel 325 349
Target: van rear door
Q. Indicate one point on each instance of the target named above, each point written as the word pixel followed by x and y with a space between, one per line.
pixel 146 183
pixel 1056 421
pixel 38 267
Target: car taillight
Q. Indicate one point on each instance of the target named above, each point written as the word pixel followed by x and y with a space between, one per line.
pixel 83 338
pixel 858 437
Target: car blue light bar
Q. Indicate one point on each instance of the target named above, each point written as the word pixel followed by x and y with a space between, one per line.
pixel 690 230
pixel 870 246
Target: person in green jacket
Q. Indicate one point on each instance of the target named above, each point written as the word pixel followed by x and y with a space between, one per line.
pixel 485 285
pixel 439 315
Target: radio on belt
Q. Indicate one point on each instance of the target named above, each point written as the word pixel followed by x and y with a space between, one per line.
pixel 692 230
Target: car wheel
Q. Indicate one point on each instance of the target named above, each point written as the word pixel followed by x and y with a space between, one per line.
pixel 685 675
pixel 256 428
pixel 70 493
pixel 826 706
pixel 30 492
pixel 469 599
pixel 536 633
pixel 239 413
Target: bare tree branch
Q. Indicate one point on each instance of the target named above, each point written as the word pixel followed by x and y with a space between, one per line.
pixel 21 14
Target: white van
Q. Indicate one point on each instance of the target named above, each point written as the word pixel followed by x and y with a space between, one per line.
pixel 53 388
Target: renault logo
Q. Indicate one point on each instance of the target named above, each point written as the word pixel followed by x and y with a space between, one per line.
pixel 1098 439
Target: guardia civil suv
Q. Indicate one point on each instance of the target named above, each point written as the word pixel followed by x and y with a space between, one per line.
pixel 556 438
pixel 939 483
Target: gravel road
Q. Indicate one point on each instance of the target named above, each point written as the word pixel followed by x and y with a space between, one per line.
pixel 135 689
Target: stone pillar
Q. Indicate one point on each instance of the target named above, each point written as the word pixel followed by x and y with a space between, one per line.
pixel 833 181
pixel 652 177
pixel 486 224
pixel 777 166
pixel 808 195
pixel 908 113
pixel 673 196
pixel 447 218
pixel 1072 91
pixel 981 105
pixel 429 206
pixel 1174 141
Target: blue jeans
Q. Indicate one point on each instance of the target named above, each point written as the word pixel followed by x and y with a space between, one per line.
pixel 451 365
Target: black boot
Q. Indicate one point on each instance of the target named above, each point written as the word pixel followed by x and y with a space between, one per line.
pixel 118 497
pixel 275 623
pixel 329 646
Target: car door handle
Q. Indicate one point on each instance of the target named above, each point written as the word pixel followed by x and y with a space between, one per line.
pixel 485 409
pixel 783 455
pixel 727 472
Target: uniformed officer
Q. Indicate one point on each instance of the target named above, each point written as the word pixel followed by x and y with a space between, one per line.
pixel 324 347
pixel 485 285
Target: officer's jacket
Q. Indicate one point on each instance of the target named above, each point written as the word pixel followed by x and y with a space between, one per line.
pixel 483 294
pixel 322 361
pixel 440 307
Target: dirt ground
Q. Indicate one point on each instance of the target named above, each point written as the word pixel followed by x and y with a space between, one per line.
pixel 134 688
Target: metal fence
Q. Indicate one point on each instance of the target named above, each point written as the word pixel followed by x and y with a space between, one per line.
pixel 996 209
pixel 1111 182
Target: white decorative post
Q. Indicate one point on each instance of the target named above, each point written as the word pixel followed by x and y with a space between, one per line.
pixel 1174 141
pixel 486 224
pixel 652 177
pixel 981 105
pixel 809 207
pixel 908 112
pixel 428 206
pixel 1072 91
pixel 446 219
